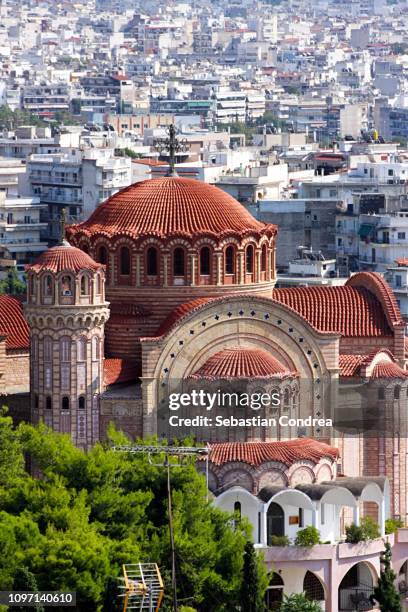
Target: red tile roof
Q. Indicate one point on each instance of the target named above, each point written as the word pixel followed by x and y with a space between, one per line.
pixel 349 311
pixel 256 453
pixel 242 362
pixel 63 257
pixel 120 371
pixel 387 369
pixel 170 206
pixel 179 312
pixel 350 364
pixel 12 322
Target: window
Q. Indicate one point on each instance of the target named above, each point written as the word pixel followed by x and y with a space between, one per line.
pixel 81 349
pixel 66 286
pixel 381 393
pixel 102 255
pixel 48 286
pixel 151 261
pixel 264 255
pixel 322 517
pixel 396 393
pixel 124 261
pixel 250 259
pixel 390 172
pixel 98 284
pixel 84 285
pixel 398 280
pixel 95 348
pixel 81 403
pixel 205 261
pixel 48 403
pixel 47 349
pixel 65 403
pixel 401 235
pixel 229 260
pixel 301 517
pixel 178 262
pixel 65 349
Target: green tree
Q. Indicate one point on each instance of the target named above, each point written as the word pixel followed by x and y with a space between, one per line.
pixel 24 580
pixel 385 593
pixel 253 586
pixel 12 285
pixel 299 603
pixel 89 513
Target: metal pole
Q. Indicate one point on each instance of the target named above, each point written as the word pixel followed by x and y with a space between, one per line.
pixel 173 551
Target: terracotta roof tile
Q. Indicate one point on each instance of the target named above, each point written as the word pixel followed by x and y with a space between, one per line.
pixel 171 206
pixel 256 453
pixel 178 313
pixel 387 369
pixel 120 371
pixel 241 362
pixel 350 364
pixel 350 311
pixel 12 322
pixel 63 257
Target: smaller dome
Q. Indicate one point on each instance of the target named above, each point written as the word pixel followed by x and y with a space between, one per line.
pixel 63 257
pixel 242 362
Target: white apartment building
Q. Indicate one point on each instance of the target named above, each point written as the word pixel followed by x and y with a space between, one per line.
pixel 77 181
pixel 22 228
pixel 383 240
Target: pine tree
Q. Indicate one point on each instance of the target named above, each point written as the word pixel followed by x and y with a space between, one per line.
pixel 385 593
pixel 251 590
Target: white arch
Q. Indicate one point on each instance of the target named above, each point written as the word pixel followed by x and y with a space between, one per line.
pixel 291 497
pixel 339 496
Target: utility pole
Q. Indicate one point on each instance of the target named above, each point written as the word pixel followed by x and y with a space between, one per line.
pixel 180 452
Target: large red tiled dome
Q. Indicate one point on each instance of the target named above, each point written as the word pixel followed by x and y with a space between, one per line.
pixel 171 206
pixel 63 257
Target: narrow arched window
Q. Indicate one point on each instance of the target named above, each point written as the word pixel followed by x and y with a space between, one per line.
pixel 48 403
pixel 381 393
pixel 396 393
pixel 66 286
pixel 81 402
pixel 98 284
pixel 81 350
pixel 124 261
pixel 65 402
pixel 65 349
pixel 32 285
pixel 48 285
pixel 151 261
pixel 250 259
pixel 178 262
pixel 205 261
pixel 237 508
pixel 84 285
pixel 264 255
pixel 102 255
pixel 47 349
pixel 85 248
pixel 95 348
pixel 229 260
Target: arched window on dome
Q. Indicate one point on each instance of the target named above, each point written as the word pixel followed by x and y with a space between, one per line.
pixel 84 285
pixel 102 255
pixel 47 288
pixel 381 393
pixel 264 259
pixel 96 348
pixel 98 284
pixel 47 348
pixel 65 362
pixel 81 402
pixel 84 247
pixel 179 266
pixel 32 282
pixel 249 260
pixel 48 403
pixel 396 393
pixel 229 265
pixel 205 265
pixel 152 267
pixel 124 261
pixel 66 286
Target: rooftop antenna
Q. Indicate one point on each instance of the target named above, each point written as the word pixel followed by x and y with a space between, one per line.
pixel 181 452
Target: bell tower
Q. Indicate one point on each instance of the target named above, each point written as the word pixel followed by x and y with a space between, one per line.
pixel 66 311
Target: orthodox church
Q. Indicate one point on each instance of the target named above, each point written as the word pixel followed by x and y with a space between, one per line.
pixel 171 282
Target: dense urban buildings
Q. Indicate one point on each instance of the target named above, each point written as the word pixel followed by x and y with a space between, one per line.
pixel 215 194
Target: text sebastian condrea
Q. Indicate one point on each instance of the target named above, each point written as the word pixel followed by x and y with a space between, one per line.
pixel 255 421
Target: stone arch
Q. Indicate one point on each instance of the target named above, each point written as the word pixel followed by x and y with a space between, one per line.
pixel 314 587
pixel 236 474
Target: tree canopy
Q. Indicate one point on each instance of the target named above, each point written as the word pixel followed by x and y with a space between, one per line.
pixel 88 513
